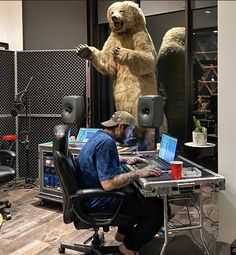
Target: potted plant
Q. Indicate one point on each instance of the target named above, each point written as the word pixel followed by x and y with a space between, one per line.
pixel 199 133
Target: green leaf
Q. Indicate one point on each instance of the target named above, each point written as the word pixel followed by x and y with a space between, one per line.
pixel 198 127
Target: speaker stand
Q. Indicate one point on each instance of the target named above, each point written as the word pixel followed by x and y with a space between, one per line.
pixel 157 135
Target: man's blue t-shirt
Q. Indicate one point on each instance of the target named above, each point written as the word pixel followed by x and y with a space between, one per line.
pixel 98 161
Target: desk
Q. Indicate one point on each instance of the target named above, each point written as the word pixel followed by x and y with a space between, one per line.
pixel 165 187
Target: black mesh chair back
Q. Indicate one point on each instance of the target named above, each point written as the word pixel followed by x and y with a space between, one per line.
pixel 65 168
pixel 7 174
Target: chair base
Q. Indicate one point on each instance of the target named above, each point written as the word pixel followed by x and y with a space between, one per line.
pixel 88 250
pixel 96 248
pixel 3 211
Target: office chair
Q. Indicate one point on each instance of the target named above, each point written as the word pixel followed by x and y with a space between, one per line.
pixel 7 173
pixel 74 199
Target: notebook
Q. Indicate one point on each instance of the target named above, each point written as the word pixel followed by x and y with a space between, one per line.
pixel 167 151
pixel 83 136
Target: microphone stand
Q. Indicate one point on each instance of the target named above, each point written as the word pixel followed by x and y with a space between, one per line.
pixel 23 97
pixel 28 181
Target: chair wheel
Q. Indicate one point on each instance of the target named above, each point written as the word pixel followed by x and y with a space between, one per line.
pixel 7 216
pixel 61 249
pixel 8 205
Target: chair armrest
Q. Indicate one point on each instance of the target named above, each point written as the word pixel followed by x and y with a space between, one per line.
pixel 9 153
pixel 7 156
pixel 105 219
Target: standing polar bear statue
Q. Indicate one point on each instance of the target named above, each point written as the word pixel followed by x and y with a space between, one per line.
pixel 129 56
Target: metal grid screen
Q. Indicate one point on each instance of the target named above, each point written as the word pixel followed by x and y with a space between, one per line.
pixel 7 92
pixel 55 74
pixel 7 88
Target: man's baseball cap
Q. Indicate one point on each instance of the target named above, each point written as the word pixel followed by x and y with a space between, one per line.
pixel 120 117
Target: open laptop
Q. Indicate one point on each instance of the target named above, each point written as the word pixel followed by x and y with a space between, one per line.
pixel 167 152
pixel 83 136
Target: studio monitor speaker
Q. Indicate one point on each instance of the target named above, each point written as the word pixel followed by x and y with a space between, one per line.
pixel 72 109
pixel 150 111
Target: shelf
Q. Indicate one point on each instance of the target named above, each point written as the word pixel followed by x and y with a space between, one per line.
pixel 208 81
pixel 210 66
pixel 205 52
pixel 204 96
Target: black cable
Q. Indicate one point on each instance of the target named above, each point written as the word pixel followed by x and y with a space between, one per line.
pixel 208 218
pixel 190 230
pixel 18 185
pixel 214 222
pixel 190 222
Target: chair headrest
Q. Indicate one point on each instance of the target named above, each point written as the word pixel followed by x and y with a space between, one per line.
pixel 61 139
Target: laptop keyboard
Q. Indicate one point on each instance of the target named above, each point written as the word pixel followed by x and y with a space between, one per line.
pixel 154 162
pixel 76 144
pixel 159 164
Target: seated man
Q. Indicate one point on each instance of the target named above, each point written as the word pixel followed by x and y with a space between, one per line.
pixel 99 166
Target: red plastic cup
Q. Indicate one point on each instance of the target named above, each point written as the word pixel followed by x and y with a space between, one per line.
pixel 176 169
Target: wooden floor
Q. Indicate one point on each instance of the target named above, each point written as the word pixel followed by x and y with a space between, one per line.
pixel 37 230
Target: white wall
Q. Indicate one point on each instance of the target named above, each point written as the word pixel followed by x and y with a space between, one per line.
pixel 158 7
pixel 227 118
pixel 11 24
pixel 51 25
pixel 148 7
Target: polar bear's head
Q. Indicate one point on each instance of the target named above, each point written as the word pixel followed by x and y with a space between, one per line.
pixel 175 34
pixel 125 16
pixel 173 41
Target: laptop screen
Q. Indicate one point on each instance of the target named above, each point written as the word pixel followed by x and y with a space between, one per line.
pixel 167 148
pixel 85 134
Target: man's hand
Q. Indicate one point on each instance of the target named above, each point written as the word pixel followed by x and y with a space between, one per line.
pixel 133 160
pixel 149 171
pixel 83 51
pixel 122 180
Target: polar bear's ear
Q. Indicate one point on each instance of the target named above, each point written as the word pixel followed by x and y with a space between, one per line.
pixel 139 16
pixel 142 15
pixel 137 11
pixel 135 4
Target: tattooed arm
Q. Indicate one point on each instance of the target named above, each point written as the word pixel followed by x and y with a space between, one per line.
pixel 132 160
pixel 122 180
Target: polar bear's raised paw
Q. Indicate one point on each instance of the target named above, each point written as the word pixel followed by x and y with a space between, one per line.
pixel 83 51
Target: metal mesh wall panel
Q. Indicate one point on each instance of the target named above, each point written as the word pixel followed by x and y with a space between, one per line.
pixel 55 75
pixel 7 85
pixel 7 92
pixel 7 127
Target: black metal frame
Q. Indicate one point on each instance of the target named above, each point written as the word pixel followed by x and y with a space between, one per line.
pixel 4 46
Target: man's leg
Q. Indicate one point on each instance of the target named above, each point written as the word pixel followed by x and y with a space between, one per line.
pixel 149 214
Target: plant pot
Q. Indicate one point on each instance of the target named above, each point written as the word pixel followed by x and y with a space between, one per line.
pixel 199 139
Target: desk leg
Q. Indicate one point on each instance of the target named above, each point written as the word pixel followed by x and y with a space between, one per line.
pixel 201 223
pixel 165 204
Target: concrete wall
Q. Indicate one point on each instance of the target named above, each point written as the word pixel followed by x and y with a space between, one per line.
pixel 52 25
pixel 148 8
pixel 11 24
pixel 227 118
